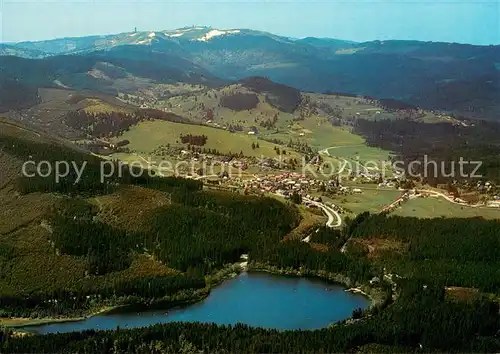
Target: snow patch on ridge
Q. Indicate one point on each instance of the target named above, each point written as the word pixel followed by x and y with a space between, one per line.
pixel 175 34
pixel 215 33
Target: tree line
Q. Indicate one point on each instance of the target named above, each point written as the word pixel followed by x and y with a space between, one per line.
pixel 107 124
pixel 82 298
pixel 89 182
pixel 198 140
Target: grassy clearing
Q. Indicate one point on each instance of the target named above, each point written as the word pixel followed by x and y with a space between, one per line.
pixel 361 108
pixel 437 207
pixel 316 132
pixel 377 247
pixel 195 108
pixel 348 51
pixel 10 128
pixel 324 134
pixel 67 100
pixel 147 136
pixel 363 152
pixel 372 200
pixel 93 105
pixel 461 294
pixel 353 106
pixel 53 94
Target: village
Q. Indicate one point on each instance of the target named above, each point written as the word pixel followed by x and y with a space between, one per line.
pixel 281 176
pixel 272 175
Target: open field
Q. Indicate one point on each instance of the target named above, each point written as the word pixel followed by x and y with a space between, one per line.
pixel 372 200
pixel 147 136
pixel 362 152
pixel 95 105
pixel 12 128
pixel 23 321
pixel 61 100
pixel 306 125
pixel 316 132
pixel 433 207
pixel 195 107
pixel 353 106
pixel 339 142
pixel 362 108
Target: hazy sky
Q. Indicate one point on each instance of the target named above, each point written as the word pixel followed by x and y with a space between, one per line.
pixel 476 22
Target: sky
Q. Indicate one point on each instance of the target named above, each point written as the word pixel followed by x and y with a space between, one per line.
pixel 474 22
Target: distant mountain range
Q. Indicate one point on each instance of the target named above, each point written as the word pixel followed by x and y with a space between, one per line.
pixel 461 78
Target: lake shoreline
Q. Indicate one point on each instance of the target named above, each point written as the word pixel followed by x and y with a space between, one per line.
pixel 17 322
pixel 213 280
pixel 375 296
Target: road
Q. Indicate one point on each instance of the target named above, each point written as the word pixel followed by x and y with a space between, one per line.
pixel 205 176
pixel 434 193
pixel 447 197
pixel 429 192
pixel 325 151
pixel 394 203
pixel 334 218
pixel 452 199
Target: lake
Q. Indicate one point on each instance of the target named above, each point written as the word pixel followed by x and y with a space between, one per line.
pixel 254 298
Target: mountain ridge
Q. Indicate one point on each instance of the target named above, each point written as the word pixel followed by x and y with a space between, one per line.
pixel 461 78
pixel 197 34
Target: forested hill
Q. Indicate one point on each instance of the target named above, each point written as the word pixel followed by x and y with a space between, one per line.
pixel 82 242
pixel 89 247
pixel 448 76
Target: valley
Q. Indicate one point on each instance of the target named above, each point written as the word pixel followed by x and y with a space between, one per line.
pixel 255 166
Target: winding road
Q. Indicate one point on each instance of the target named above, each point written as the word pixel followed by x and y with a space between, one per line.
pixel 334 219
pixel 347 162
